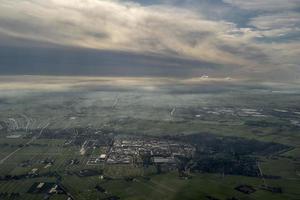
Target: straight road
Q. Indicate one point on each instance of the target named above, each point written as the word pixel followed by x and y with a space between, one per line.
pixel 20 148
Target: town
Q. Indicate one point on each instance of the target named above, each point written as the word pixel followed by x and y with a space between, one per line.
pixel 134 150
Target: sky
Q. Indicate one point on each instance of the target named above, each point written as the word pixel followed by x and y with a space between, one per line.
pixel 255 39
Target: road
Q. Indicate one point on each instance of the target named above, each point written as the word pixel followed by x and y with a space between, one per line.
pixel 173 111
pixel 261 173
pixel 20 148
pixel 116 102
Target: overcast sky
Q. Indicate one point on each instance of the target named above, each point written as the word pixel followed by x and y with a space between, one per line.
pixel 251 39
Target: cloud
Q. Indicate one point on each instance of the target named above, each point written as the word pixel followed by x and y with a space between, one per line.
pixel 119 26
pixel 277 21
pixel 267 5
pixel 84 83
pixel 31 85
pixel 26 86
pixel 162 28
pixel 277 24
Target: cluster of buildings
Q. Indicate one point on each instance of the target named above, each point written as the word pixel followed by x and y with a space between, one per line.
pixel 133 150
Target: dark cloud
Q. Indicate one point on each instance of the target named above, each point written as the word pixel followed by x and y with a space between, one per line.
pixel 59 60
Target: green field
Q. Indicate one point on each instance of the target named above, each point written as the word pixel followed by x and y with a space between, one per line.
pixel 163 186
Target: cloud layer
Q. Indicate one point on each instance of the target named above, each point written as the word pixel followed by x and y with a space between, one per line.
pixel 267 43
pixel 265 5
